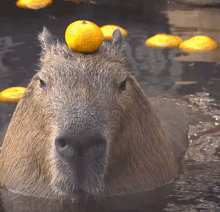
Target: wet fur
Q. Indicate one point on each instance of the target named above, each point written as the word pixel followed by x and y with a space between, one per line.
pixel 85 87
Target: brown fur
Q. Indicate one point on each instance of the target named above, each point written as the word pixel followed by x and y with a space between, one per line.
pixel 82 94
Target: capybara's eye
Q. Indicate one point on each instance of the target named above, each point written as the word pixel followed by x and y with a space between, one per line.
pixel 122 86
pixel 42 83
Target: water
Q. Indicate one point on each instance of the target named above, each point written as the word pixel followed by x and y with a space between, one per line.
pixel 160 73
pixel 197 188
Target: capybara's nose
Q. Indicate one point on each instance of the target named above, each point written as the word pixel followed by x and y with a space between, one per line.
pixel 84 147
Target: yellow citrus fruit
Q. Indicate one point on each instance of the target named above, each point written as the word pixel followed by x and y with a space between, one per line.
pixel 12 94
pixel 163 41
pixel 33 4
pixel 109 29
pixel 83 36
pixel 198 43
pixel 20 3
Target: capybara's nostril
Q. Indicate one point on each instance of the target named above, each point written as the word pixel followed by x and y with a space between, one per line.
pixel 97 149
pixel 60 143
pixel 64 148
pixel 90 147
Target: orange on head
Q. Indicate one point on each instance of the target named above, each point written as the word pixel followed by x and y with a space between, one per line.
pixel 109 29
pixel 83 36
pixel 12 94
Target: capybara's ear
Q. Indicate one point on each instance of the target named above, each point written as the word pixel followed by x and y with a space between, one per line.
pixel 117 38
pixel 45 38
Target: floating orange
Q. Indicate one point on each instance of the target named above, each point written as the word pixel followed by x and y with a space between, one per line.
pixel 109 29
pixel 163 41
pixel 21 4
pixel 198 43
pixel 12 94
pixel 83 36
pixel 33 4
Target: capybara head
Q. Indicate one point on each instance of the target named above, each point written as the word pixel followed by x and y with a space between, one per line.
pixel 84 126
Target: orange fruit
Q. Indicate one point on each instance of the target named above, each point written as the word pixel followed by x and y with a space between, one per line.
pixel 109 29
pixel 198 43
pixel 12 94
pixel 21 4
pixel 163 41
pixel 83 36
pixel 33 4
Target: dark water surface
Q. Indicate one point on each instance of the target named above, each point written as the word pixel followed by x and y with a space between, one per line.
pixel 197 188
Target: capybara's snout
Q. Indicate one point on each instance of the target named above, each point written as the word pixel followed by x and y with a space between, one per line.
pixel 82 147
pixel 80 152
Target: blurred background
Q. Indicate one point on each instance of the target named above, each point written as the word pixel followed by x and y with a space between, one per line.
pixel 191 80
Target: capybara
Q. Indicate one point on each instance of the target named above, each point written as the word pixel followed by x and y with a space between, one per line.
pixel 84 127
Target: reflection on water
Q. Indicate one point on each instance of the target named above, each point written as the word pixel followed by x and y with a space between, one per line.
pixel 6 46
pixel 199 21
pixel 159 72
pixel 198 188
